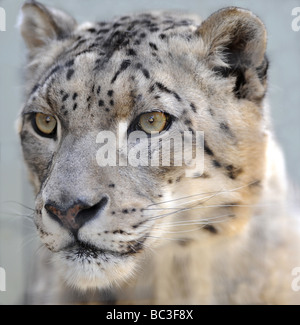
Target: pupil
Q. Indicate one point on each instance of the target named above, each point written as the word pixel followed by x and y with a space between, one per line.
pixel 48 119
pixel 151 120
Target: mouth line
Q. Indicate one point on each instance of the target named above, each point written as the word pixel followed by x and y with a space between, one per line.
pixel 86 250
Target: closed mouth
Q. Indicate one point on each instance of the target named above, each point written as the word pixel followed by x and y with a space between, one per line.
pixel 83 250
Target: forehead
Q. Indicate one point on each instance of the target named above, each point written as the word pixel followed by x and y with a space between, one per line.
pixel 111 67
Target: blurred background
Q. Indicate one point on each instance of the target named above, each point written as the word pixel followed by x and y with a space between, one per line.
pixel 19 246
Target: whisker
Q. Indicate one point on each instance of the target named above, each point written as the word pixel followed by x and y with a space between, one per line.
pixel 181 198
pixel 21 204
pixel 196 221
pixel 217 206
pixel 207 198
pixel 14 214
pixel 180 210
pixel 204 193
pixel 166 238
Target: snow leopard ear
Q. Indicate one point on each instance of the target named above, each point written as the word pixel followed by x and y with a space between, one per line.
pixel 39 24
pixel 235 44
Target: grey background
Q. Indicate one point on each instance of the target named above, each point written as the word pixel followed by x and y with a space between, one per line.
pixel 18 243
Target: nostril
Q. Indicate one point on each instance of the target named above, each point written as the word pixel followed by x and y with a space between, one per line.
pixel 90 213
pixel 76 215
pixel 53 213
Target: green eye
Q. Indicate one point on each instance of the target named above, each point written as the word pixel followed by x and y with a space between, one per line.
pixel 153 122
pixel 45 124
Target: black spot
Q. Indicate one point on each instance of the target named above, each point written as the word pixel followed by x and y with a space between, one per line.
pixel 146 73
pixel 70 74
pixel 224 126
pixel 111 185
pixel 211 112
pixel 124 65
pixel 153 46
pixel 163 88
pixel 65 113
pixel 187 122
pixel 69 63
pixel 65 97
pixel 75 106
pixel 151 89
pixel 211 229
pixel 162 36
pixel 88 99
pixel 133 210
pixel 75 95
pixel 107 109
pixel 207 149
pixel 170 181
pixel 92 30
pixel 143 35
pixel 63 107
pixel 177 96
pixel 125 211
pixel 98 90
pixel 193 107
pixel 191 130
pixel 131 52
pixel 110 93
pixel 101 103
pixel 216 164
pixel 233 172
pixel 154 29
pixel 112 103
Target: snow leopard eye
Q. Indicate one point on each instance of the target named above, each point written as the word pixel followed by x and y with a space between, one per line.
pixel 153 122
pixel 44 124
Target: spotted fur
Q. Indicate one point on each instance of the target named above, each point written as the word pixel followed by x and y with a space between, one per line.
pixel 222 236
